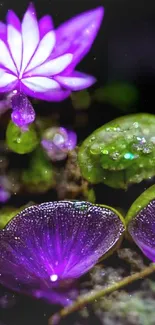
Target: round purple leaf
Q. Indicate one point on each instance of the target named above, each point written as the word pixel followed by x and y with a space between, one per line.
pixel 141 222
pixel 54 242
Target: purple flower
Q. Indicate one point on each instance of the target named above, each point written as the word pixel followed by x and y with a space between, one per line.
pixel 55 242
pixel 58 141
pixel 39 61
pixel 142 230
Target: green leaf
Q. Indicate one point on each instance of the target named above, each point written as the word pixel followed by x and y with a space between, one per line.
pixel 120 152
pixel 19 141
pixel 39 177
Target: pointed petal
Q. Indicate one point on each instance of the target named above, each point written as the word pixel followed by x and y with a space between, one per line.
pixel 3 31
pixel 40 84
pixel 30 35
pixel 13 20
pixel 50 96
pixel 76 81
pixel 77 35
pixel 53 67
pixel 6 78
pixel 43 51
pixel 45 25
pixel 15 45
pixel 5 58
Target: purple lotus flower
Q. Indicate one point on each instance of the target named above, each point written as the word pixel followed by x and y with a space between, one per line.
pixel 55 242
pixel 58 141
pixel 142 230
pixel 38 61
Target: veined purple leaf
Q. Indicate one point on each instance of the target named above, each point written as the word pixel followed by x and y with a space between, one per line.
pixel 141 222
pixel 51 243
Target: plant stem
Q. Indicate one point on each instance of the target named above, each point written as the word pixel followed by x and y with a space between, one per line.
pixel 88 298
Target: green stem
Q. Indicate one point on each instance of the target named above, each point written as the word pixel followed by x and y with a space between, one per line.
pixel 89 298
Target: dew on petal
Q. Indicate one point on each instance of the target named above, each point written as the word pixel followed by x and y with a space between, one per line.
pixel 23 113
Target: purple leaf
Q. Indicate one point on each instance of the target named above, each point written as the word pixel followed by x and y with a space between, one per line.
pixel 141 222
pixel 46 245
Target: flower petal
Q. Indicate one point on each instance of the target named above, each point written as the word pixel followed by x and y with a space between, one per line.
pixel 45 25
pixel 60 238
pixel 3 31
pixel 76 81
pixel 53 67
pixel 6 78
pixel 40 84
pixel 43 51
pixel 5 58
pixel 30 35
pixel 13 20
pixel 54 95
pixel 77 34
pixel 15 45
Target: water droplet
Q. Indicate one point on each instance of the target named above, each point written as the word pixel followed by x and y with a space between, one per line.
pixel 152 140
pixel 136 125
pixel 147 150
pixel 129 156
pixel 18 140
pixel 115 155
pixel 95 149
pixel 105 152
pixel 80 205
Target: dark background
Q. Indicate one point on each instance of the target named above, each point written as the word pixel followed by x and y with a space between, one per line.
pixel 123 50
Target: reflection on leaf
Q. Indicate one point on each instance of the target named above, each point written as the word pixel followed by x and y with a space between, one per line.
pixel 121 95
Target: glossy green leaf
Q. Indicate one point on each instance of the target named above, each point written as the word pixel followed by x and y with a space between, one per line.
pixel 19 141
pixel 120 152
